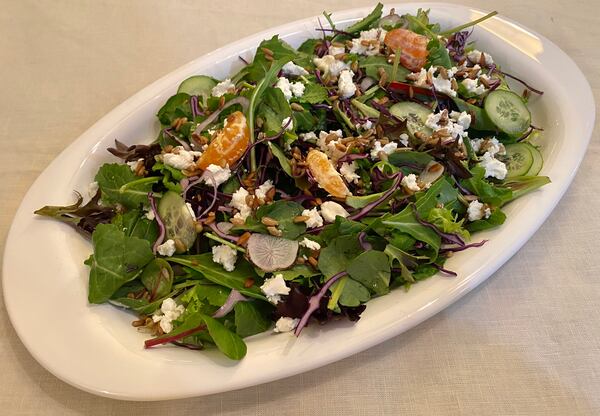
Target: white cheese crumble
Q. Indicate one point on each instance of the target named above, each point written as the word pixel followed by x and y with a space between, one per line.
pixel 409 182
pixel 439 83
pixel 290 89
pixel 493 167
pixel 310 244
pixel 329 65
pixel 369 42
pixel 444 86
pixel 261 191
pixel 336 50
pixel 167 248
pixel 463 118
pixel 222 88
pixel 330 210
pixel 455 124
pixel 288 123
pixel 293 70
pixel 134 164
pixel 404 139
pixel 475 57
pixel 329 148
pixel 348 171
pixel 314 218
pixel 150 215
pixel 190 210
pixel 92 188
pixel 216 175
pixel 168 312
pixel 309 137
pixel 477 211
pixel 274 287
pixel 388 148
pixel 472 86
pixel 346 87
pixel 238 201
pixel 285 324
pixel 366 125
pixel 181 159
pixel 225 256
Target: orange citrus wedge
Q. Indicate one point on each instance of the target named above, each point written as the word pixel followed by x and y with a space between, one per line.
pixel 413 46
pixel 325 174
pixel 229 143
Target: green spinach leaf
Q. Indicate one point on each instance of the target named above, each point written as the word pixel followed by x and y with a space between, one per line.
pixel 229 343
pixel 252 318
pixel 284 212
pixel 372 270
pixel 119 185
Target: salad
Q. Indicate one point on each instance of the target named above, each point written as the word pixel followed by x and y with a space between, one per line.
pixel 308 183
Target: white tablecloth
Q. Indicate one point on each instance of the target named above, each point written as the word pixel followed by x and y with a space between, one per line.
pixel 526 342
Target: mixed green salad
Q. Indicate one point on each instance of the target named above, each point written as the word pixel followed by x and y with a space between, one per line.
pixel 311 181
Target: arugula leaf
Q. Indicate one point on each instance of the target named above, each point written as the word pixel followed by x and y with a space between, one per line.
pixel 284 212
pixel 497 218
pixel 117 259
pixel 406 222
pixel 438 54
pixel 371 65
pixel 443 219
pixel 341 226
pixel 177 106
pixel 337 255
pixel 134 224
pixel 308 46
pixel 260 65
pixel 203 264
pixel 252 318
pixel 420 23
pixel 229 343
pixel 284 162
pixel 488 193
pixel 309 119
pixel 372 270
pixel 273 110
pixel 171 177
pixel 119 185
pixel 313 94
pixel 521 185
pixel 369 21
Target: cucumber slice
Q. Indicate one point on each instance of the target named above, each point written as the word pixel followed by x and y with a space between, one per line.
pixel 177 218
pixel 518 159
pixel 197 85
pixel 508 112
pixel 538 160
pixel 415 116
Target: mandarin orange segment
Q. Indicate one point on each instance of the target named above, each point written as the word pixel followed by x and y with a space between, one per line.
pixel 325 174
pixel 413 46
pixel 228 144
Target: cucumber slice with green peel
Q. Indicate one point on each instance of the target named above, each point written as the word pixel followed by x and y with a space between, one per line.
pixel 508 112
pixel 179 223
pixel 415 116
pixel 518 159
pixel 197 85
pixel 538 160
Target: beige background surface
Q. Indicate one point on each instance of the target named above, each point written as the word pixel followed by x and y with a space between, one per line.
pixel 526 342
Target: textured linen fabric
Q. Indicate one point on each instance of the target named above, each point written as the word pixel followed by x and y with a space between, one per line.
pixel 526 342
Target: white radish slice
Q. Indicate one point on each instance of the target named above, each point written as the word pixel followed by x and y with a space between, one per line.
pixel 271 253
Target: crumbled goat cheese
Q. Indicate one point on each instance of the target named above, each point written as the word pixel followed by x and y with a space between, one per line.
pixel 330 210
pixel 190 210
pixel 475 210
pixel 216 175
pixel 310 244
pixel 387 148
pixel 181 159
pixel 92 189
pixel 222 88
pixel 369 42
pixel 409 182
pixel 238 201
pixel 473 86
pixel 290 89
pixel 455 129
pixel 168 312
pixel 336 50
pixel 365 126
pixel 493 167
pixel 463 118
pixel 225 256
pixel 291 69
pixel 261 191
pixel 274 287
pixel 475 57
pixel 285 324
pixel 288 123
pixel 346 87
pixel 444 86
pixel 134 164
pixel 422 76
pixel 314 218
pixel 439 83
pixel 404 139
pixel 308 137
pixel 492 146
pixel 167 248
pixel 329 147
pixel 150 215
pixel 348 171
pixel 329 65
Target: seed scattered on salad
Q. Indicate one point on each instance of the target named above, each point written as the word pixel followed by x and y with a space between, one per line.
pixel 311 181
